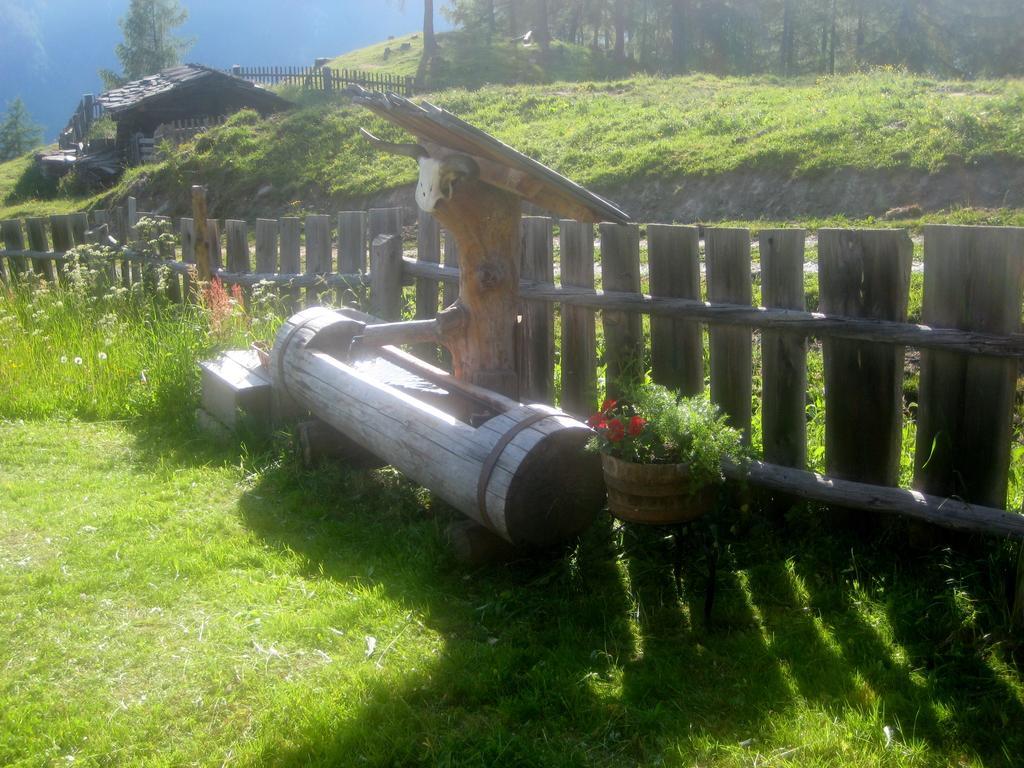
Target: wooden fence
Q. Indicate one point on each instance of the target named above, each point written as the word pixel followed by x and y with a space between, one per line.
pixel 77 130
pixel 970 342
pixel 327 78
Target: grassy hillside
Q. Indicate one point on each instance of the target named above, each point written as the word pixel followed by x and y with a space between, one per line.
pixel 468 60
pixel 612 136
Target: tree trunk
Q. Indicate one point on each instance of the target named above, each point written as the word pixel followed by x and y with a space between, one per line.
pixel 679 36
pixel 620 29
pixel 786 47
pixel 429 42
pixel 541 31
pixel 485 223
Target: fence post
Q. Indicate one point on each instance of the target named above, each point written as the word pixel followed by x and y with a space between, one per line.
pixel 623 331
pixel 783 355
pixel 973 279
pixel 386 277
pixel 864 273
pixel 428 251
pixel 14 240
pixel 202 249
pixel 536 353
pixel 351 250
pixel 677 346
pixel 579 357
pixel 291 236
pixel 318 253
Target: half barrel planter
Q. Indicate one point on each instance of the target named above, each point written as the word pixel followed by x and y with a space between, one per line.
pixel 654 494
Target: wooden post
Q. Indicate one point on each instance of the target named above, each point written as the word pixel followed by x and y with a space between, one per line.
pixel 623 331
pixel 384 221
pixel 318 253
pixel 38 241
pixel 677 346
pixel 450 291
pixel 120 225
pixel 266 246
pixel 386 277
pixel 727 252
pixel 291 236
pixel 63 241
pixel 783 355
pixel 187 234
pixel 199 216
pixel 579 358
pixel 79 225
pixel 536 364
pixel 237 246
pixel 351 250
pixel 168 252
pixel 485 222
pixel 864 273
pixel 972 281
pixel 14 240
pixel 428 250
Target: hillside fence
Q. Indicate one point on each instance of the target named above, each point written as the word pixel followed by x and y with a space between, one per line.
pixel 970 342
pixel 327 78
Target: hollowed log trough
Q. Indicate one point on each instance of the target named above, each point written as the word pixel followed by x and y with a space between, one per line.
pixel 521 471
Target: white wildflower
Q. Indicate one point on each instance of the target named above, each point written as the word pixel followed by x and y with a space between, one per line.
pixel 78 361
pixel 102 355
pixel 63 359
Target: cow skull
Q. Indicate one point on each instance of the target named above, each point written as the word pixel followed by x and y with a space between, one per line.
pixel 438 178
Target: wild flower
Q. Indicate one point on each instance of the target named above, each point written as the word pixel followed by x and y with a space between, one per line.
pixel 78 361
pixel 217 304
pixel 63 359
pixel 102 356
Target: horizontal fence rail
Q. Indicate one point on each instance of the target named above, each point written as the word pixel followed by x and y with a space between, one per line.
pixel 969 337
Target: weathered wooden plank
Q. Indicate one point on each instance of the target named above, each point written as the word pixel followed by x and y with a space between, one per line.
pixel 14 240
pixel 950 513
pixel 79 224
pixel 386 277
pixel 536 353
pixel 579 356
pixel 63 241
pixel 318 252
pixel 266 245
pixel 783 355
pixel 973 280
pixel 352 249
pixel 814 324
pixel 727 252
pixel 237 233
pixel 384 221
pixel 428 250
pixel 864 273
pixel 623 331
pixel 291 246
pixel 450 259
pixel 38 241
pixel 167 249
pixel 677 346
pixel 187 238
pixel 213 243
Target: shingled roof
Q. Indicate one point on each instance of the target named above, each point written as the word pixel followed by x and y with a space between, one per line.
pixel 135 93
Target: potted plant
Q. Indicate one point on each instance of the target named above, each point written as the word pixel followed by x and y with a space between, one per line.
pixel 662 454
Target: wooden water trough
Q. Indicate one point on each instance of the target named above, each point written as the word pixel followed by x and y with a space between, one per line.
pixel 519 471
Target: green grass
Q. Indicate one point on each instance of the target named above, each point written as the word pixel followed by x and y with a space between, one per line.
pixel 169 601
pixel 606 135
pixel 24 192
pixel 166 599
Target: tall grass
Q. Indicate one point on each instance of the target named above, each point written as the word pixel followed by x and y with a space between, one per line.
pixel 89 348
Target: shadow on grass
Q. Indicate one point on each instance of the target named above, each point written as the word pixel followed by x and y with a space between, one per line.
pixel 590 656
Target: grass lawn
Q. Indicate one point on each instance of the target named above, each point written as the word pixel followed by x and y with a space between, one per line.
pixel 170 601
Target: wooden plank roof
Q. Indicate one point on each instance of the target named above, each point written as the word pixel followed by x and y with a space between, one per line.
pixel 500 164
pixel 135 93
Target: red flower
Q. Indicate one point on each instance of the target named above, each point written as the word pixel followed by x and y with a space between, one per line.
pixel 608 404
pixel 636 425
pixel 616 431
pixel 597 421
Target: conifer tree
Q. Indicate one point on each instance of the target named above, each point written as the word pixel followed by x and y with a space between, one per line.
pixel 149 43
pixel 18 134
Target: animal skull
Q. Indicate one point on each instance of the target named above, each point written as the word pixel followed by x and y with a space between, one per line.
pixel 437 177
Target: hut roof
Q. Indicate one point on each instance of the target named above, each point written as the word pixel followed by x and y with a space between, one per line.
pixel 182 78
pixel 501 166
